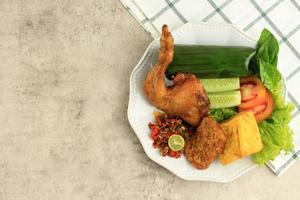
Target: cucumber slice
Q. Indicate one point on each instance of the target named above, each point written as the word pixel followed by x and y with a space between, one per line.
pixel 220 84
pixel 224 99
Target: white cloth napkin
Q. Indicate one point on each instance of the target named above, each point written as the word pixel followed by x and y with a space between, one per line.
pixel 281 17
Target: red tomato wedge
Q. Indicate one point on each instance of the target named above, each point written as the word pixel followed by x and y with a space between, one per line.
pixel 263 110
pixel 253 92
pixel 248 92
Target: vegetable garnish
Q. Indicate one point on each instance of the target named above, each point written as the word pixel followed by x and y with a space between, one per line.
pixel 221 84
pixel 222 92
pixel 224 99
pixel 222 114
pixel 168 134
pixel 256 98
pixel 253 92
pixel 263 110
pixel 264 63
pixel 176 142
pixel 275 132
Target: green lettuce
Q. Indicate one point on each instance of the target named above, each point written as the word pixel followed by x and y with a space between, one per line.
pixel 275 132
pixel 221 114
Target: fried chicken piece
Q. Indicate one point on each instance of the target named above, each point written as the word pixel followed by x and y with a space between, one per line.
pixel 186 98
pixel 207 142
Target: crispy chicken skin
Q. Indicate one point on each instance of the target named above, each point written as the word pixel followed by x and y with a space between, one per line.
pixel 186 98
pixel 207 142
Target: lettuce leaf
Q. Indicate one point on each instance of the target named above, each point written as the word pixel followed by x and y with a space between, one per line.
pixel 275 132
pixel 221 114
pixel 269 75
pixel 270 149
pixel 267 48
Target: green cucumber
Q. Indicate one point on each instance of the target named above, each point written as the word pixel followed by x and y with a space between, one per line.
pixel 220 84
pixel 224 99
pixel 211 61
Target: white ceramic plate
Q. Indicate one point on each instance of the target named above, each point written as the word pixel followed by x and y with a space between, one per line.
pixel 140 111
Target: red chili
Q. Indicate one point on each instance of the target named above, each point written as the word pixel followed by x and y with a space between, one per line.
pixel 175 154
pixel 163 128
pixel 154 132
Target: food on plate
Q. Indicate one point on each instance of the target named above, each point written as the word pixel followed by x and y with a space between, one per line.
pixel 240 87
pixel 224 99
pixel 221 84
pixel 221 114
pixel 253 92
pixel 276 134
pixel 176 142
pixel 263 110
pixel 186 98
pixel 243 137
pixel 256 98
pixel 275 131
pixel 166 127
pixel 223 92
pixel 211 61
pixel 207 142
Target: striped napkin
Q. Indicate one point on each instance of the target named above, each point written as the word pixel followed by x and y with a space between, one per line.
pixel 281 17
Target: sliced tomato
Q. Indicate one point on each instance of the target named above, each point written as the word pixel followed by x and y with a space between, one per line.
pixel 259 108
pixel 263 110
pixel 248 92
pixel 268 110
pixel 253 92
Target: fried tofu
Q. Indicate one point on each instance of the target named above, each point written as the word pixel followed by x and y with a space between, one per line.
pixel 243 137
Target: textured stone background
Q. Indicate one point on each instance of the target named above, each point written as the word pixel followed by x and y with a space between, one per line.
pixel 64 134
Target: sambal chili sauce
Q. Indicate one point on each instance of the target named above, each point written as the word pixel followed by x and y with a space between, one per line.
pixel 163 128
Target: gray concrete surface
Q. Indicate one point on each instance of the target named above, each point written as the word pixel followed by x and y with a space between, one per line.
pixel 64 134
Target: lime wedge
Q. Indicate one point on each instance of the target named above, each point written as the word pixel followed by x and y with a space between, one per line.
pixel 176 142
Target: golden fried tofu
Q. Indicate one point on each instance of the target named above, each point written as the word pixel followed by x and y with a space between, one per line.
pixel 243 137
pixel 231 150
